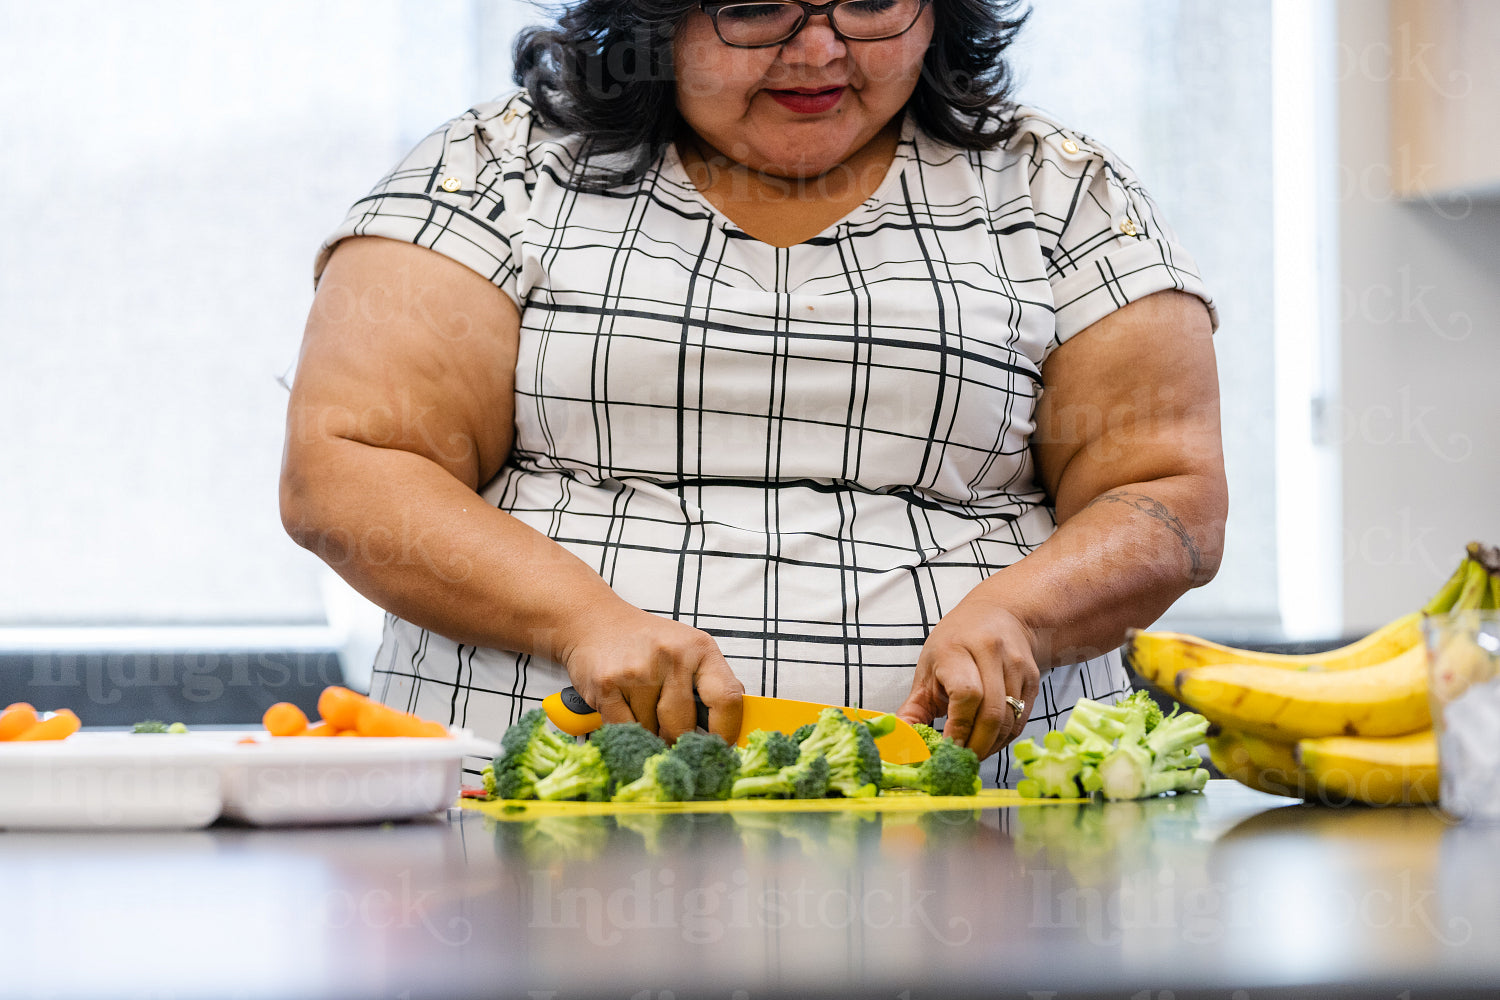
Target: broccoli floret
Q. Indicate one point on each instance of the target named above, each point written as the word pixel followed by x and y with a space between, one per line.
pixel 580 774
pixel 853 760
pixel 929 735
pixel 664 778
pixel 625 747
pixel 529 751
pixel 951 770
pixel 150 726
pixel 801 733
pixel 806 779
pixel 488 777
pixel 766 751
pixel 532 745
pixel 713 762
pixel 1148 705
pixel 511 779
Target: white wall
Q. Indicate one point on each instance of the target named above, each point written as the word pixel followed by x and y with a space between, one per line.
pixel 1420 347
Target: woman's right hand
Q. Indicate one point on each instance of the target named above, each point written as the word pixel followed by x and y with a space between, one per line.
pixel 635 666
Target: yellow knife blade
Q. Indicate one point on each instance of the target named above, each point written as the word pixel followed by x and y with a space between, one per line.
pixel 902 745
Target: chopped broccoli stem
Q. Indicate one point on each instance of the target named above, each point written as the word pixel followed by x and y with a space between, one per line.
pixel 1175 734
pixel 805 779
pixel 881 725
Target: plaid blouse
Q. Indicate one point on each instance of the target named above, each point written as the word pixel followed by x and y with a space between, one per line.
pixel 811 453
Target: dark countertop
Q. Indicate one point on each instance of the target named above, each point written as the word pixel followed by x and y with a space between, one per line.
pixel 1231 894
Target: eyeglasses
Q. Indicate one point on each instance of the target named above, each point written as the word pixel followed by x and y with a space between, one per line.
pixel 771 22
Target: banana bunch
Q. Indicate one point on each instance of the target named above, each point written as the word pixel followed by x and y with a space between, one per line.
pixel 1351 724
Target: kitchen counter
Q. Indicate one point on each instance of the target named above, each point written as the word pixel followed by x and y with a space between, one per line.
pixel 1230 894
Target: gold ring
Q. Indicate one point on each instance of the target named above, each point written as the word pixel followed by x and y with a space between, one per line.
pixel 1017 706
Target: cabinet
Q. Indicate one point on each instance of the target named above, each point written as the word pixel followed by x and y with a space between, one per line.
pixel 1445 97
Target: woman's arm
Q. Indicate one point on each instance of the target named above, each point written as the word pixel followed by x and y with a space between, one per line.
pixel 403 407
pixel 1127 445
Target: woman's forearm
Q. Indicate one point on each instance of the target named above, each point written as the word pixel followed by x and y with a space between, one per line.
pixel 1118 563
pixel 421 544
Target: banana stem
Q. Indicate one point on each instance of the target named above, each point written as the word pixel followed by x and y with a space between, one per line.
pixel 1443 600
pixel 1476 586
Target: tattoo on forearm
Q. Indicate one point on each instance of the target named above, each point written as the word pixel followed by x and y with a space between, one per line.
pixel 1157 510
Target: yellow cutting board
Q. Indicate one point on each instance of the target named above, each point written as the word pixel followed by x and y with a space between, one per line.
pixel 988 798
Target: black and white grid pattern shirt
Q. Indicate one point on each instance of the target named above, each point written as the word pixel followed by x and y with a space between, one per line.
pixel 810 453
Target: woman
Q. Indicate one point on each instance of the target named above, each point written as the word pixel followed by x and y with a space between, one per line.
pixel 759 347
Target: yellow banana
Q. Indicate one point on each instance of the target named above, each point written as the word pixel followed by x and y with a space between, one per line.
pixel 1227 751
pixel 1160 656
pixel 1400 770
pixel 1384 699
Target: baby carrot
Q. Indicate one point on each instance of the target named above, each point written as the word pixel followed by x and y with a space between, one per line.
pixel 322 729
pixel 284 719
pixel 340 707
pixel 376 719
pixel 62 725
pixel 16 720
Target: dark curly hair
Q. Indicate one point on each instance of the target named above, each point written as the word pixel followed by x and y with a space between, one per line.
pixel 604 72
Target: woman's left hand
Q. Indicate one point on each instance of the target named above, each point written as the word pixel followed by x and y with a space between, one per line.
pixel 979 654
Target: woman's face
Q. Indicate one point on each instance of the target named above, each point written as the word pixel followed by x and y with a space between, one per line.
pixel 800 108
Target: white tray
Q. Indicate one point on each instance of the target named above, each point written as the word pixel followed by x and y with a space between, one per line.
pixel 188 780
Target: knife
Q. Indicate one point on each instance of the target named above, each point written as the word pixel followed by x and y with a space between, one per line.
pixel 902 745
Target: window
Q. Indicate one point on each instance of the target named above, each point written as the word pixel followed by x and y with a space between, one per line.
pixel 170 177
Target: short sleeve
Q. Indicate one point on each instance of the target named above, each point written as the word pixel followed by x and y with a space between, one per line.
pixel 1104 239
pixel 463 192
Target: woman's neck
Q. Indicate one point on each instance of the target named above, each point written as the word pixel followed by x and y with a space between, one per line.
pixel 782 210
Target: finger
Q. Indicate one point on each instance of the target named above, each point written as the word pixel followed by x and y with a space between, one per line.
pixel 959 677
pixel 611 705
pixel 922 705
pixel 643 703
pixel 676 712
pixel 723 693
